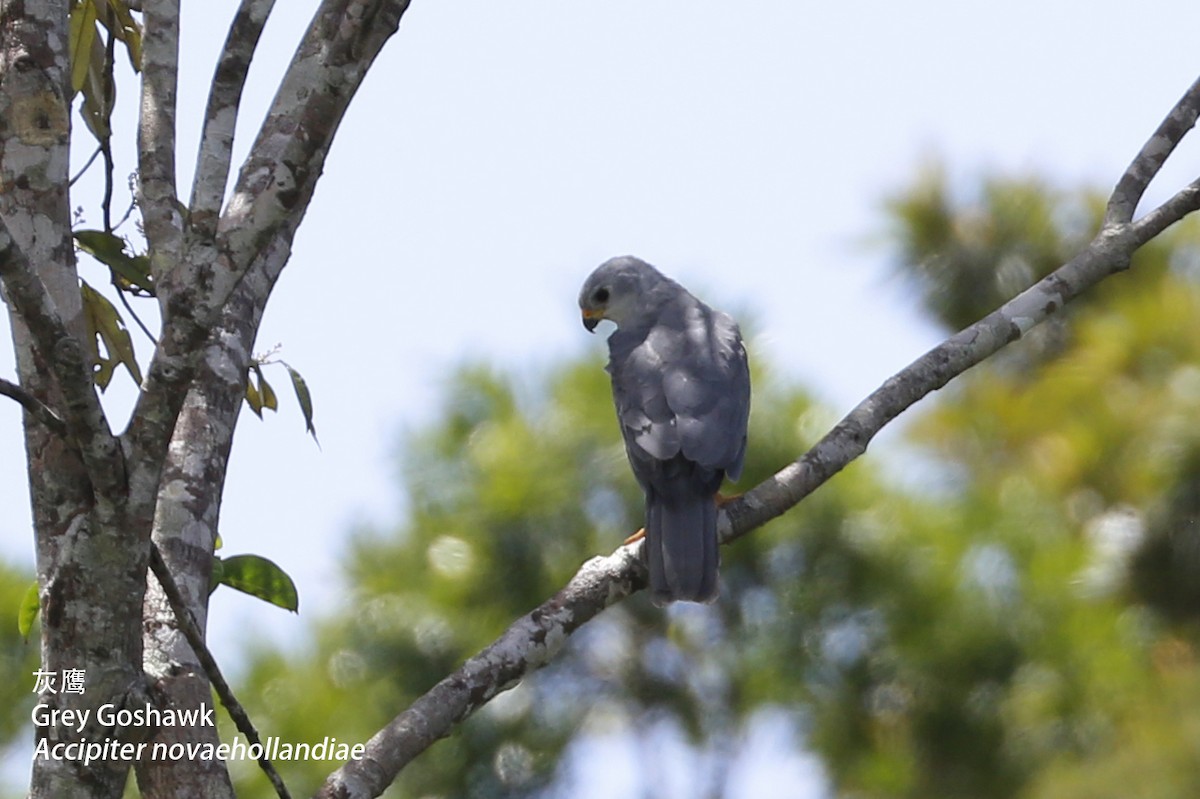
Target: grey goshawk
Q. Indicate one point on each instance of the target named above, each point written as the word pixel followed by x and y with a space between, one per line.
pixel 681 385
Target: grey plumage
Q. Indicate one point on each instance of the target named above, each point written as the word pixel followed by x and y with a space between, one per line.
pixel 681 385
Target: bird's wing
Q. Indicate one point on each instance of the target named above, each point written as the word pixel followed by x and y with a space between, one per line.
pixel 684 388
pixel 707 388
pixel 647 421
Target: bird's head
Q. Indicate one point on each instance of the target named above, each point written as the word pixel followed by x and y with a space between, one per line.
pixel 620 290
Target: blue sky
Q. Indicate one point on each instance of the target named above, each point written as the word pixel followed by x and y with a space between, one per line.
pixel 499 151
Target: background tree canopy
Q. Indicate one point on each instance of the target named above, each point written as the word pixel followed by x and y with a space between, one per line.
pixel 1003 604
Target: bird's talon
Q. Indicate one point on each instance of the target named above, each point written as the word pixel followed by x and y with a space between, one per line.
pixel 633 539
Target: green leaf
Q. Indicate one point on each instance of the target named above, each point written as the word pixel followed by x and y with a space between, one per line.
pixel 109 249
pixel 105 325
pixel 259 393
pixel 218 572
pixel 122 25
pixel 82 34
pixel 304 397
pixel 253 398
pixel 269 399
pixel 99 92
pixel 28 611
pixel 258 577
pixel 102 246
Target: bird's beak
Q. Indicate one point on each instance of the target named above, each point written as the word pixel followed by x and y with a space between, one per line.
pixel 591 319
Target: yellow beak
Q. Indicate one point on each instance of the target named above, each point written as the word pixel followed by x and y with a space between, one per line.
pixel 591 318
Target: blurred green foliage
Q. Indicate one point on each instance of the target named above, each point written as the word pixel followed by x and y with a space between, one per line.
pixel 1016 617
pixel 509 493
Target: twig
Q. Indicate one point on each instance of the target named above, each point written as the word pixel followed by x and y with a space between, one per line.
pixel 1181 204
pixel 195 639
pixel 84 168
pixel 534 639
pixel 133 313
pixel 38 410
pixel 132 183
pixel 125 216
pixel 106 142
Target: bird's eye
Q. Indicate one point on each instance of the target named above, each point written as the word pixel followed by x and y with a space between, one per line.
pixel 600 295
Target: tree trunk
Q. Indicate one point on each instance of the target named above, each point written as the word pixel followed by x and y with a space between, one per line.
pixel 91 580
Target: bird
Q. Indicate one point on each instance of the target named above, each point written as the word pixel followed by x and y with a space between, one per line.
pixel 681 386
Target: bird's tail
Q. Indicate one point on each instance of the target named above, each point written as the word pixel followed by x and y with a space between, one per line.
pixel 681 542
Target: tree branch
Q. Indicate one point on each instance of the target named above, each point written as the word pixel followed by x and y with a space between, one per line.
pixel 533 640
pixel 158 197
pixel 35 408
pixel 1154 153
pixel 272 194
pixel 1108 253
pixel 220 117
pixel 91 573
pixel 278 179
pixel 1180 205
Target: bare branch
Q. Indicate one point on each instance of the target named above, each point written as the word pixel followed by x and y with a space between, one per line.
pixel 129 309
pixel 1107 254
pixel 1154 153
pixel 83 169
pixel 156 134
pixel 35 408
pixel 534 639
pixel 1180 205
pixel 195 638
pixel 220 118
